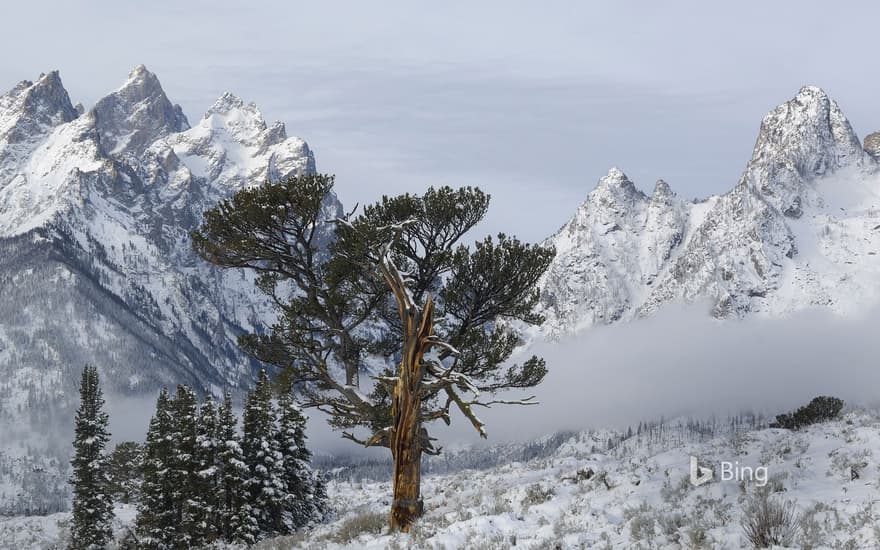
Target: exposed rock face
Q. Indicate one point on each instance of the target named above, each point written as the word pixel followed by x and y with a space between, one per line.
pixel 772 244
pixel 130 119
pixel 804 138
pixel 872 144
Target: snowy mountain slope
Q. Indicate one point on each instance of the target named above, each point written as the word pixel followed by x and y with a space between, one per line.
pixel 96 266
pixel 771 245
pixel 607 489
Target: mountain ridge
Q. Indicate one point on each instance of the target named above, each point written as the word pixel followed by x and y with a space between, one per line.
pixel 624 254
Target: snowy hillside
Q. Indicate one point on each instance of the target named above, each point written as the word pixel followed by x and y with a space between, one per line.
pixel 798 230
pixel 606 489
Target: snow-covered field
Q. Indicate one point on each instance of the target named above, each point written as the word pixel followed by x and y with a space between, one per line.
pixel 602 489
pixel 639 494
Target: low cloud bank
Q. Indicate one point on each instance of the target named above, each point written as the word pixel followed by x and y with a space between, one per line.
pixel 678 362
pixel 683 362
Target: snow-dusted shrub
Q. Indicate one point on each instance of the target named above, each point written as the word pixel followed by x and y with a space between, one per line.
pixel 811 533
pixel 537 494
pixel 671 524
pixel 364 523
pixel 477 538
pixel 849 465
pixel 697 537
pixel 863 516
pixel 820 409
pixel 499 504
pixel 642 520
pixel 713 512
pixel 767 522
pixel 674 493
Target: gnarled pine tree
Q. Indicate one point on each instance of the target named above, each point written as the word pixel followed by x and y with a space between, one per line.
pixel 395 283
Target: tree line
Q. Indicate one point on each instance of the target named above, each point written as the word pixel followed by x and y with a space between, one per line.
pixel 199 480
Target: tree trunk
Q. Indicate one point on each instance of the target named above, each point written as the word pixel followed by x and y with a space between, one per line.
pixel 406 450
pixel 406 410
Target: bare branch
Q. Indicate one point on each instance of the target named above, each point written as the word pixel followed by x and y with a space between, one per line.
pixel 526 401
pixel 436 342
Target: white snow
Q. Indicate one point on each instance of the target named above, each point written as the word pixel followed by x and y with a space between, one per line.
pixel 587 494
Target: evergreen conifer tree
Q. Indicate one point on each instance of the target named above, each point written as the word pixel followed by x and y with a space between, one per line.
pixel 406 263
pixel 184 468
pixel 260 445
pixel 125 468
pixel 235 522
pixel 301 503
pixel 207 481
pixel 92 510
pixel 155 524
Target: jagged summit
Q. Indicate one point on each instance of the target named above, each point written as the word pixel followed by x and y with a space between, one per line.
pixel 616 191
pixel 662 192
pixel 244 123
pixel 802 139
pixel 136 114
pixel 32 108
pixel 616 178
pixel 228 102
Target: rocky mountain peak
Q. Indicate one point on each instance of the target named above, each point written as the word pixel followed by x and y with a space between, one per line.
pixel 802 139
pixel 225 104
pixel 615 178
pixel 615 190
pixel 662 192
pixel 244 122
pixel 33 108
pixel 136 114
pixel 780 240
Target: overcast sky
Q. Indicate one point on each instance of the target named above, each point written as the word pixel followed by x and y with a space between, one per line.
pixel 531 101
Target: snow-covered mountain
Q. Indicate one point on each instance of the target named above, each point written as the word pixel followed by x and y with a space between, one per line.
pixel 95 211
pixel 800 229
pixel 95 261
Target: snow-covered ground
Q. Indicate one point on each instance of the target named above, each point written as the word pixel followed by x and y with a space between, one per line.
pixel 603 489
pixel 50 532
pixel 639 494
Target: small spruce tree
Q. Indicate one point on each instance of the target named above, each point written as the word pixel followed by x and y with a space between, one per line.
pixel 155 524
pixel 184 473
pixel 205 495
pixel 260 445
pixel 92 511
pixel 235 522
pixel 125 468
pixel 302 503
